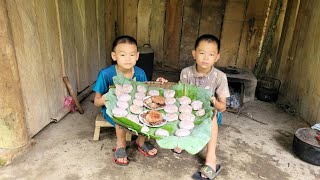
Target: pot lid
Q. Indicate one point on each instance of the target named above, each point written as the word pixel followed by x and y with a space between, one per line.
pixel 308 135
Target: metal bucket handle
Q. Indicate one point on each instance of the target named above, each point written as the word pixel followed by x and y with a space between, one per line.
pixel 147 44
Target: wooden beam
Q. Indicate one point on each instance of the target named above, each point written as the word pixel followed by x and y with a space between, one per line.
pixel 72 93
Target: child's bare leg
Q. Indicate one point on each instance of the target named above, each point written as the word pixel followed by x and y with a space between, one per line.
pixel 140 141
pixel 211 146
pixel 121 141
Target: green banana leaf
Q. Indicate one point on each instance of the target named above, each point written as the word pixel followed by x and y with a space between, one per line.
pixel 192 143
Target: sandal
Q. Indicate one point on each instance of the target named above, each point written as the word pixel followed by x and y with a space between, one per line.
pixel 145 148
pixel 207 171
pixel 120 153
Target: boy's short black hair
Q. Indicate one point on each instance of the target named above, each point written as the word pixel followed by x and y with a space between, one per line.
pixel 209 38
pixel 123 39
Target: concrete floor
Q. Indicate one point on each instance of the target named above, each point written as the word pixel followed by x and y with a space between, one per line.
pixel 247 149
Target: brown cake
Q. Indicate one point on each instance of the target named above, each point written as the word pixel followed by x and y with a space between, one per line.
pixel 154 117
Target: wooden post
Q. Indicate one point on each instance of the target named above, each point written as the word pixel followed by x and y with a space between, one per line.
pixel 261 58
pixel 13 128
pixel 73 95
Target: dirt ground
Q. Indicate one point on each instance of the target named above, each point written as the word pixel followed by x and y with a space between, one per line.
pixel 258 148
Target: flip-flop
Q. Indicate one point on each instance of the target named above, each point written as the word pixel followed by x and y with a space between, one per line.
pixel 207 171
pixel 145 148
pixel 120 153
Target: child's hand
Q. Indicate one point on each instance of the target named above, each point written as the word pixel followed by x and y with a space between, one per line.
pixel 105 99
pixel 162 80
pixel 213 99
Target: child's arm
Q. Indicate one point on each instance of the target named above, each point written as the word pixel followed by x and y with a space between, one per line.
pixel 99 100
pixel 220 104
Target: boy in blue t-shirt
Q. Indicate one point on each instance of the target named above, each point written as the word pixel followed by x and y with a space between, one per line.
pixel 125 53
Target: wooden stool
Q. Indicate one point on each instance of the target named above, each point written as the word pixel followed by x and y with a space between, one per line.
pixel 101 122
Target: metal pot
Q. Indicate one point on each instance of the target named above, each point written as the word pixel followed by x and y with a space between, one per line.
pixel 268 89
pixel 145 61
pixel 306 146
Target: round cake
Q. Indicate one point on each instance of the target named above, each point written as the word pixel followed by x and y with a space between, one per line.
pixel 141 89
pixel 171 108
pixel 124 97
pixel 170 100
pixel 182 132
pixel 119 112
pixel 184 100
pixel 136 109
pixel 122 104
pixel 185 108
pixel 172 117
pixel 187 117
pixel 196 105
pixel 153 93
pixel 186 125
pixel 139 95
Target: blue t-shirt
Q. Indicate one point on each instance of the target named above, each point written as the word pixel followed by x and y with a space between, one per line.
pixel 105 80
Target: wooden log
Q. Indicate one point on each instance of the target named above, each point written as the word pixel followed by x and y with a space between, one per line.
pixel 63 111
pixel 73 95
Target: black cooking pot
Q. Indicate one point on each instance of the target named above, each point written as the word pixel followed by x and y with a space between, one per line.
pixel 306 145
pixel 268 89
pixel 145 61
